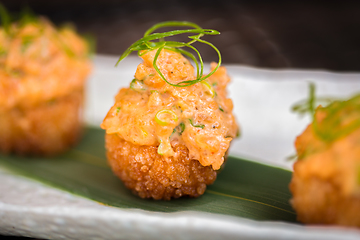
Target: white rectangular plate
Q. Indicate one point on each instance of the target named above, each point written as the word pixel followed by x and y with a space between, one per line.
pixel 262 100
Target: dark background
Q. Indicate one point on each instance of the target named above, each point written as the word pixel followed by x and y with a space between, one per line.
pixel 267 34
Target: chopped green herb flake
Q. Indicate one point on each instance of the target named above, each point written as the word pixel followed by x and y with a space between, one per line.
pixel 2 52
pixel 196 125
pixel 163 117
pixel 5 18
pixel 179 128
pixel 182 128
pixel 137 85
pixel 238 133
pixel 26 42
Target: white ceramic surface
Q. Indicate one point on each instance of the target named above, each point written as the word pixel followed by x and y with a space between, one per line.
pixel 262 100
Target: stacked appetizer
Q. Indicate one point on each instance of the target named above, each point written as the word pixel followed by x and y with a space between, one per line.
pixel 326 179
pixel 42 75
pixel 169 132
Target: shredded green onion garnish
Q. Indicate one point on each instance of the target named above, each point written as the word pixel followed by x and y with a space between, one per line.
pixel 180 128
pixel 221 109
pixel 147 76
pixel 2 51
pixel 342 117
pixel 26 41
pixel 159 151
pixel 163 117
pixel 137 85
pixel 160 148
pixel 5 19
pixel 309 105
pixel 238 133
pixel 147 44
pixel 118 109
pixel 196 125
pixel 26 16
pixel 209 89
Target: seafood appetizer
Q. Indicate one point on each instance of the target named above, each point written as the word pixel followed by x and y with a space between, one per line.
pixel 168 133
pixel 43 70
pixel 326 179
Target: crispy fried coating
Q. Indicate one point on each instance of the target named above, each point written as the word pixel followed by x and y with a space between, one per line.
pixel 43 70
pixel 151 175
pixel 48 129
pixel 166 141
pixel 317 201
pixel 326 179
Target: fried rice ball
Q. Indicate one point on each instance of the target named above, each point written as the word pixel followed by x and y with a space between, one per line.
pixel 165 141
pixel 48 129
pixel 326 179
pixel 43 71
pixel 151 175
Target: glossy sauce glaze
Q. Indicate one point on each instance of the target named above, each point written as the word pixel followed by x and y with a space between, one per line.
pixel 153 113
pixel 39 62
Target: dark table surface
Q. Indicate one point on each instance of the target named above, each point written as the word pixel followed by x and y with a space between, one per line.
pixel 266 34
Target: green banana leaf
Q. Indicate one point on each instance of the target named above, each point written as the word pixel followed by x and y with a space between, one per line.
pixel 244 188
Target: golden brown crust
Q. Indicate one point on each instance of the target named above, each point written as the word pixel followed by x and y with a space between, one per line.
pixel 199 116
pixel 318 201
pixel 47 129
pixel 151 175
pixel 43 70
pixel 325 183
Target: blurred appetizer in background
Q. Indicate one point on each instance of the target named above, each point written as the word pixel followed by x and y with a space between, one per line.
pixel 326 179
pixel 43 70
pixel 168 134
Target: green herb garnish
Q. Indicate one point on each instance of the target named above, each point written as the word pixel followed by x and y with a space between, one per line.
pixel 27 16
pixel 2 51
pixel 196 125
pixel 209 89
pixel 309 105
pixel 147 44
pixel 26 42
pixel 137 85
pixel 163 117
pixel 341 117
pixel 179 128
pixel 5 19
